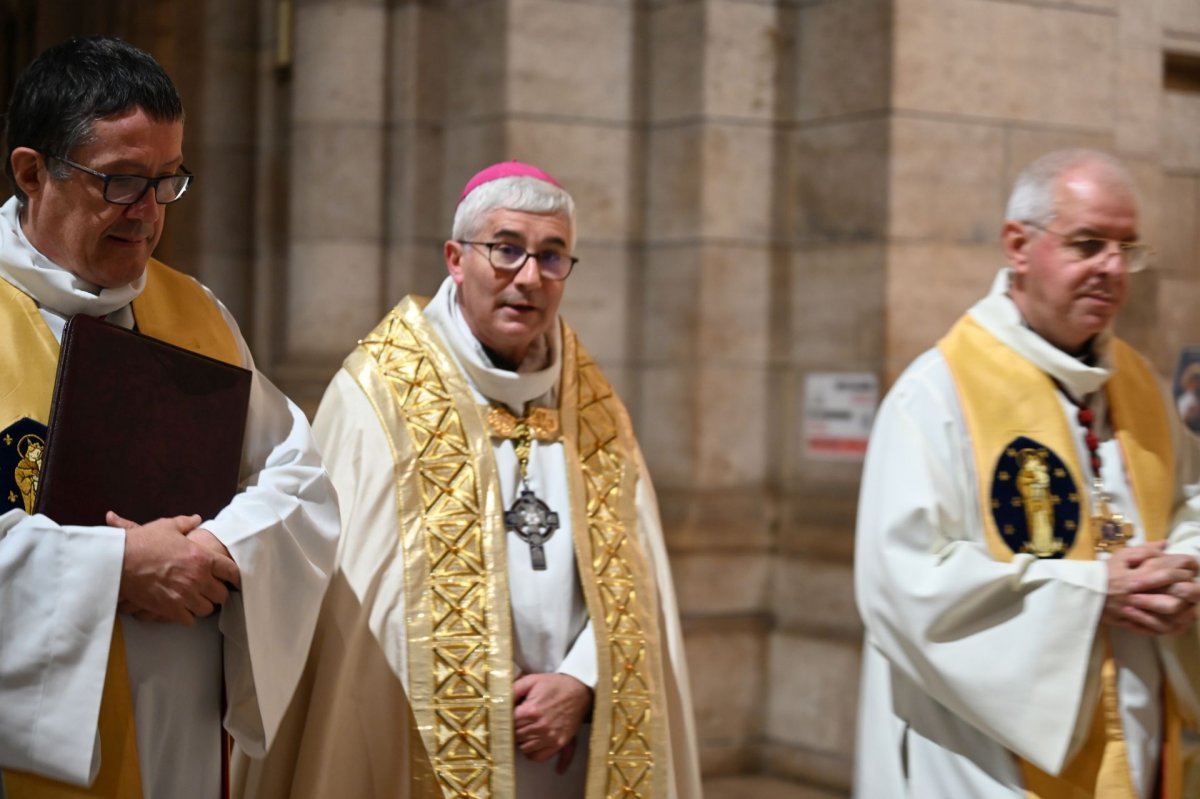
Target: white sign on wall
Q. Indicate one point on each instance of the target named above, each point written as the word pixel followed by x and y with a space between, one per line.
pixel 838 410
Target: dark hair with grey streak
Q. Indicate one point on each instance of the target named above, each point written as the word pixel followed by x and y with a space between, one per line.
pixel 63 93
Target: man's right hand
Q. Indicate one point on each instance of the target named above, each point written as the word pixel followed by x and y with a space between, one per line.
pixel 1151 593
pixel 168 577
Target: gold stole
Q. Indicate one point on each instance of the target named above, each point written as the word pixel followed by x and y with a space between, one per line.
pixel 1004 396
pixel 451 520
pixel 173 308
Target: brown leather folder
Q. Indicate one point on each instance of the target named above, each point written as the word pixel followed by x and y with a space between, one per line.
pixel 140 427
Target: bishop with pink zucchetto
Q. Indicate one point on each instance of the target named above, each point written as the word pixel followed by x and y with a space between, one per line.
pixel 502 620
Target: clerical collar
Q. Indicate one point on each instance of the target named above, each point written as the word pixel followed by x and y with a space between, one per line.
pixel 58 293
pixel 535 377
pixel 999 315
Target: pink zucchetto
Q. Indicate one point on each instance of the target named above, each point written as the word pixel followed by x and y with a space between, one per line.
pixel 505 169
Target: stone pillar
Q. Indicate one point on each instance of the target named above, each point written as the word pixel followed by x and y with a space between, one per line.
pixel 835 212
pixel 705 308
pixel 337 195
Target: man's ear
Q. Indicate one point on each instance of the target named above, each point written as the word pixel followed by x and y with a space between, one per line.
pixel 453 253
pixel 28 170
pixel 1015 237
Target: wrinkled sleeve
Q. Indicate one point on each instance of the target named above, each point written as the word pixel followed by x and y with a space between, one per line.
pixel 1007 647
pixel 1181 653
pixel 58 599
pixel 281 529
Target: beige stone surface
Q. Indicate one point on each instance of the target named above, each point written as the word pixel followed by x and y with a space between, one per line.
pixel 727 698
pixel 475 60
pixel 468 146
pixel 676 64
pixel 227 100
pixel 590 78
pixel 1178 323
pixel 731 416
pixel 837 181
pixel 813 687
pixel 762 788
pixel 722 582
pixel 929 287
pixel 815 595
pixel 415 167
pixel 333 298
pixel 1181 130
pixel 1180 15
pixel 595 301
pixel 979 58
pixel 350 201
pixel 735 160
pixel 703 518
pixel 667 434
pixel 838 307
pixel 741 46
pixel 843 58
pixel 734 291
pixel 947 180
pixel 592 160
pixel 1139 78
pixel 668 303
pixel 417 72
pixel 1178 242
pixel 339 68
pixel 674 186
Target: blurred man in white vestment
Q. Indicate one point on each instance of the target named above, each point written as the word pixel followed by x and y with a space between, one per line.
pixel 124 655
pixel 501 621
pixel 1027 543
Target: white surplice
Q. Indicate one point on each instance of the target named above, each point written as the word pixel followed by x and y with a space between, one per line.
pixel 968 660
pixel 59 585
pixel 551 627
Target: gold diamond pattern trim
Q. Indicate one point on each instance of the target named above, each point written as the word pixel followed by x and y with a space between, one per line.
pixel 454 541
pixel 630 754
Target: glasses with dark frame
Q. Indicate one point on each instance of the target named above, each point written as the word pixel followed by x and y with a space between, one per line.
pixel 1134 255
pixel 129 189
pixel 508 257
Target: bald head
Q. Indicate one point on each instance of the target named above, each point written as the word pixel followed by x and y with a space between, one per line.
pixel 1038 190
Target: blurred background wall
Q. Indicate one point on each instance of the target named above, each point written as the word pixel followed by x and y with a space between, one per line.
pixel 768 189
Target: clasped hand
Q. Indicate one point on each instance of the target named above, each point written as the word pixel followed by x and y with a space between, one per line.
pixel 174 570
pixel 1151 592
pixel 550 708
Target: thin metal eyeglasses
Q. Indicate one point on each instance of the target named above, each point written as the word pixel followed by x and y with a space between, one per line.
pixel 1134 255
pixel 551 264
pixel 129 189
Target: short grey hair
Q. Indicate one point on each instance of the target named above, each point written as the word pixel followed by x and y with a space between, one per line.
pixel 518 193
pixel 1034 195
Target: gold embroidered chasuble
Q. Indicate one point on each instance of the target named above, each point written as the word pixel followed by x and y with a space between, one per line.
pixel 175 309
pixel 451 521
pixel 1003 397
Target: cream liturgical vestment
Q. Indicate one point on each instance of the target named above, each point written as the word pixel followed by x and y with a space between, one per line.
pixel 59 584
pixel 435 609
pixel 978 667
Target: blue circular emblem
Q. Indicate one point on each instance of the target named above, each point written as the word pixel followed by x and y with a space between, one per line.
pixel 1035 503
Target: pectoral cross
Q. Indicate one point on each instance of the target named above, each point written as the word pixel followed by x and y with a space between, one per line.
pixel 534 522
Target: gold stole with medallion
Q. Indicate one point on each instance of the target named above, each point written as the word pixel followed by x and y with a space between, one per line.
pixel 1003 397
pixel 173 308
pixel 451 521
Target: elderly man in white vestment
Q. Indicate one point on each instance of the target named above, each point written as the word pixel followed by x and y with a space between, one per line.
pixel 501 621
pixel 123 651
pixel 1027 542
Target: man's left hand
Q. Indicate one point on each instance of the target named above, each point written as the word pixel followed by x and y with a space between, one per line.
pixel 549 711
